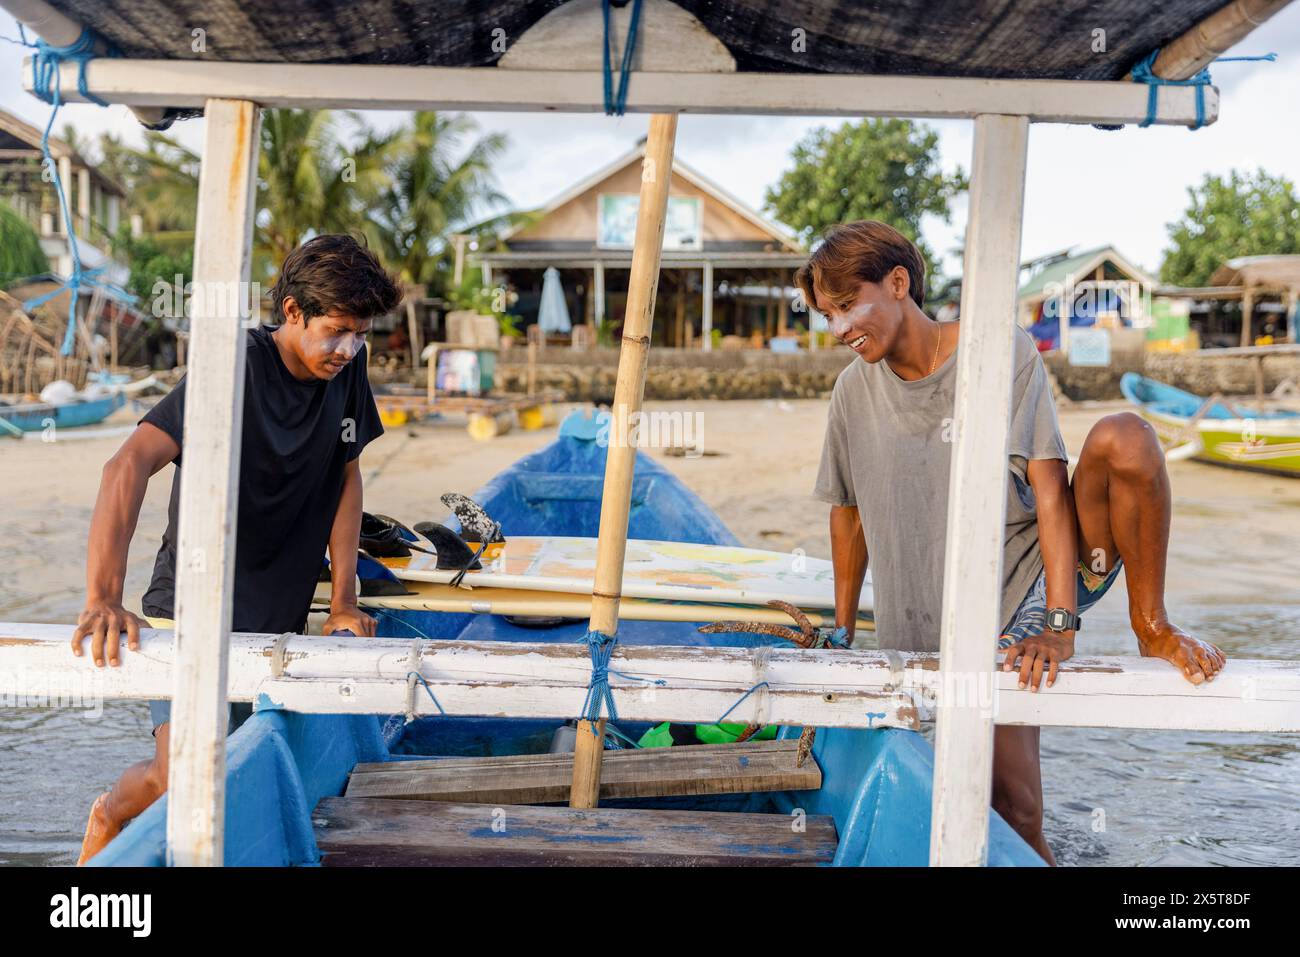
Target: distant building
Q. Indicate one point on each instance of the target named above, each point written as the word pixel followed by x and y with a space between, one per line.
pixel 94 200
pixel 1096 287
pixel 1250 300
pixel 726 270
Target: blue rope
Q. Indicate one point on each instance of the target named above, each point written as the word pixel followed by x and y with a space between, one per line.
pixel 839 637
pixel 617 105
pixel 1142 73
pixel 599 695
pixel 741 700
pixel 45 84
pixel 432 697
pixel 613 732
pixel 402 621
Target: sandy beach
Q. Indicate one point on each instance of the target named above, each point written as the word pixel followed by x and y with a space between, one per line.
pixel 1234 577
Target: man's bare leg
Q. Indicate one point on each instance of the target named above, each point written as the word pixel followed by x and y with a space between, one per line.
pixel 1122 496
pixel 139 786
pixel 1018 785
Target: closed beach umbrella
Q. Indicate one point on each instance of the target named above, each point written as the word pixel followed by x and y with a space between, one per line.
pixel 553 316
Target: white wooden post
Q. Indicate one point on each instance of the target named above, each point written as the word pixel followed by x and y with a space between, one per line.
pixel 977 490
pixel 209 495
pixel 598 290
pixel 706 330
pixel 65 177
pixel 83 202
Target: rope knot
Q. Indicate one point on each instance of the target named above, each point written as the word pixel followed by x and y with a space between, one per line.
pixel 599 694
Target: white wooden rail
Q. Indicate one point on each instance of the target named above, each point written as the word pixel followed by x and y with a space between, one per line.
pixel 209 494
pixel 977 490
pixel 190 83
pixel 847 689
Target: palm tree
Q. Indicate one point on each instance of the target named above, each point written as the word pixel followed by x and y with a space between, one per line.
pixel 162 183
pixel 311 182
pixel 437 187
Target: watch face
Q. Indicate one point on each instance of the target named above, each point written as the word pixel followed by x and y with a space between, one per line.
pixel 1057 619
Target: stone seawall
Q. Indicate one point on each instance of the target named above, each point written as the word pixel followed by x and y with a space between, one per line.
pixel 589 375
pixel 680 373
pixel 1203 375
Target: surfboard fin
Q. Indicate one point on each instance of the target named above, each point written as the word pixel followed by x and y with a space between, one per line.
pixel 451 549
pixel 475 523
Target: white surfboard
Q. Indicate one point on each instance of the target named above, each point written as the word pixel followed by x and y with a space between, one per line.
pixel 426 596
pixel 679 571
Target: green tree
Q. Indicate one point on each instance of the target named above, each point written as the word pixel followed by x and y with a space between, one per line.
pixel 1243 215
pixel 438 185
pixel 150 264
pixel 162 186
pixel 312 181
pixel 883 169
pixel 20 247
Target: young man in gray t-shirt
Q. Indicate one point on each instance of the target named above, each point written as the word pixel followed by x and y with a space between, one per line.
pixel 884 472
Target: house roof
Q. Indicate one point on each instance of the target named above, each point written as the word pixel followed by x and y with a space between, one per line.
pixel 970 38
pixel 780 233
pixel 1283 271
pixel 1082 263
pixel 29 135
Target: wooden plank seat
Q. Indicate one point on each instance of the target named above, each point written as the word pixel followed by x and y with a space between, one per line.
pixel 361 832
pixel 546 778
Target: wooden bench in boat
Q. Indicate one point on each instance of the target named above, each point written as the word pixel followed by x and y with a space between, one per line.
pixel 546 778
pixel 360 832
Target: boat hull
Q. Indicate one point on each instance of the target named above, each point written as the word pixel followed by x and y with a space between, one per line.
pixel 876 784
pixel 36 417
pixel 1268 443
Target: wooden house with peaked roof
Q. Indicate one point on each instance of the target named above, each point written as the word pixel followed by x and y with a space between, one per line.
pixel 727 269
pixel 1097 286
pixel 94 199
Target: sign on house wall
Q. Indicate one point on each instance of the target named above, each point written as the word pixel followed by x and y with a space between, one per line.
pixel 616 221
pixel 1089 346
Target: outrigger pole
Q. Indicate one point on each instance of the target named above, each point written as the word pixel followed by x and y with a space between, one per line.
pixel 620 460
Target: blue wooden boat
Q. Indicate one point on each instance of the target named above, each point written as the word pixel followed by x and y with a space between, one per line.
pixel 876 784
pixel 1217 433
pixel 36 416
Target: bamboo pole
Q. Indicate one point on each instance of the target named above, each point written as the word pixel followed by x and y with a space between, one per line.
pixel 621 458
pixel 1195 49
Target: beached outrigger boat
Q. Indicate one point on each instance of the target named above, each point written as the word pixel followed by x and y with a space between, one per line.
pixel 37 416
pixel 1214 430
pixel 693 58
pixel 874 784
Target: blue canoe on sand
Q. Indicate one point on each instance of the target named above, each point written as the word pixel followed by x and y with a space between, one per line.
pixel 876 784
pixel 37 416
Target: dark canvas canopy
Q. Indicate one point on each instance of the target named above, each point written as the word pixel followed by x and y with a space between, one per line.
pixel 1025 39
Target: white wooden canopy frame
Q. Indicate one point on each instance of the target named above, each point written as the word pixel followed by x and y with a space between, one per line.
pixel 231 95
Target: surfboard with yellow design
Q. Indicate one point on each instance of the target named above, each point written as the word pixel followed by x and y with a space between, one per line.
pixel 678 571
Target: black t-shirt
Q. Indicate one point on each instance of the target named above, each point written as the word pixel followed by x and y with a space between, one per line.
pixel 297 439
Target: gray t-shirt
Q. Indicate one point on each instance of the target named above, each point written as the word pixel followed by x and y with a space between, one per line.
pixel 888 450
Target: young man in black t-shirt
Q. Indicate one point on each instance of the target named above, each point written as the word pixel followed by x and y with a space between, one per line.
pixel 308 413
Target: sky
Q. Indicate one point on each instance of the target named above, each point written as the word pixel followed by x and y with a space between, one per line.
pixel 1085 187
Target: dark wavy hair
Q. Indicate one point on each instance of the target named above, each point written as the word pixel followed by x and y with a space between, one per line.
pixel 857 252
pixel 335 273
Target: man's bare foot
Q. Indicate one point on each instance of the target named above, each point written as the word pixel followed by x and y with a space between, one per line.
pixel 1198 660
pixel 100 829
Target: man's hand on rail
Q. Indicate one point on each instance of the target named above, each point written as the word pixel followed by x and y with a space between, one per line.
pixel 105 621
pixel 1040 652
